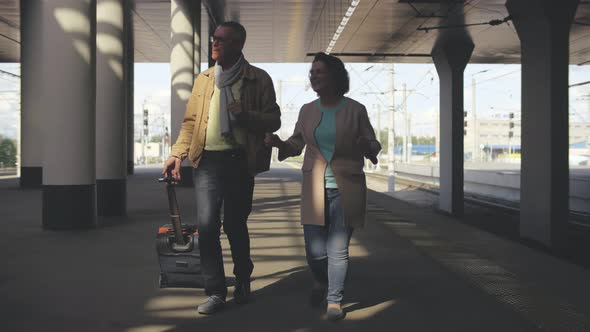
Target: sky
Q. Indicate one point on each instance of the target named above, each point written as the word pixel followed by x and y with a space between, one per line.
pixel 497 92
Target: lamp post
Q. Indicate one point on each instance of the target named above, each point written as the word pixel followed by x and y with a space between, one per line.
pixel 391 137
pixel 391 126
pixel 378 131
pixel 407 138
pixel 390 132
pixel 476 154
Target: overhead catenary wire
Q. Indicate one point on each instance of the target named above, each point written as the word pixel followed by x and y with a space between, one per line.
pixel 578 114
pixel 494 22
pixel 9 74
pixel 497 77
pixel 416 86
pixel 579 84
pixel 410 92
pixel 366 83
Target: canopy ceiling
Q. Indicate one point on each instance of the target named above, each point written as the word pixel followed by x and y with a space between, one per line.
pixel 286 30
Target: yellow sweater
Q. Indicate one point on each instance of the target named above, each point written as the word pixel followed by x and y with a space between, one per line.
pixel 214 141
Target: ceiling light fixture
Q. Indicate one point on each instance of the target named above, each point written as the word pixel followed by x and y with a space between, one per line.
pixel 340 29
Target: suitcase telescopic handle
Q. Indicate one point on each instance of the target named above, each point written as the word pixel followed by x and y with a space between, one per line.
pixel 167 179
pixel 174 211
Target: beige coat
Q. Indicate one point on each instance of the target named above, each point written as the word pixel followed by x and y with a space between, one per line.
pixel 347 162
pixel 260 114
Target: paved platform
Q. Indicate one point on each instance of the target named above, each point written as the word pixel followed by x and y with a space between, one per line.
pixel 411 270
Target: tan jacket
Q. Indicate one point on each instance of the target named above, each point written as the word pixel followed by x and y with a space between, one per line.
pixel 347 162
pixel 260 114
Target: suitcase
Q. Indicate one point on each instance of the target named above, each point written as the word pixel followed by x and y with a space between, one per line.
pixel 178 256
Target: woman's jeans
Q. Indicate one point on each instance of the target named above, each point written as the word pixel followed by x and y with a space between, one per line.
pixel 327 247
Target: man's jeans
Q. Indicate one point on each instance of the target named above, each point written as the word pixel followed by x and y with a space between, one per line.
pixel 222 179
pixel 326 247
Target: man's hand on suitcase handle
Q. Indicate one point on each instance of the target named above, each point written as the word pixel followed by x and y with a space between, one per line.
pixel 172 169
pixel 168 180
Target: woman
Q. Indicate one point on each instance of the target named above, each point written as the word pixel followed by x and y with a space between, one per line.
pixel 338 134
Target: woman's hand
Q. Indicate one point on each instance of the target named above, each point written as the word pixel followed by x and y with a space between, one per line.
pixel 271 140
pixel 365 147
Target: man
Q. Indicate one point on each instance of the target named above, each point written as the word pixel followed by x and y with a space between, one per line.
pixel 231 108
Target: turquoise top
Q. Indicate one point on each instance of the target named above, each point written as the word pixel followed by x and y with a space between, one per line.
pixel 325 136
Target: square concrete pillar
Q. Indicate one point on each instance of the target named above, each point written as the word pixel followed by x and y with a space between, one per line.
pixel 543 28
pixel 451 54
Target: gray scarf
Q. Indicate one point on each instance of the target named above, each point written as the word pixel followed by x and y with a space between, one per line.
pixel 224 79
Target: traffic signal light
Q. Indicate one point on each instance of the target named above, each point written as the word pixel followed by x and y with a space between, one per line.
pixel 465 123
pixel 510 125
pixel 145 122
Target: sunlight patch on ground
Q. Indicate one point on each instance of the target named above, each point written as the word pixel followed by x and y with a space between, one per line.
pixel 151 328
pixel 175 306
pixel 356 249
pixel 368 312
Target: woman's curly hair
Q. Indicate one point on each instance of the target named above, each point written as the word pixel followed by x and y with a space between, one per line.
pixel 337 71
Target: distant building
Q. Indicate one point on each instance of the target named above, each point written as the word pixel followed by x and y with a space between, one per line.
pixel 152 154
pixel 500 137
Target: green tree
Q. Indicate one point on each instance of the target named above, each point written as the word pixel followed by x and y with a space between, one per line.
pixel 156 139
pixel 7 152
pixel 383 139
pixel 423 140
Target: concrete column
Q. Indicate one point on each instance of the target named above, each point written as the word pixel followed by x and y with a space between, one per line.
pixel 111 111
pixel 451 54
pixel 32 108
pixel 68 82
pixel 543 28
pixel 129 74
pixel 185 64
